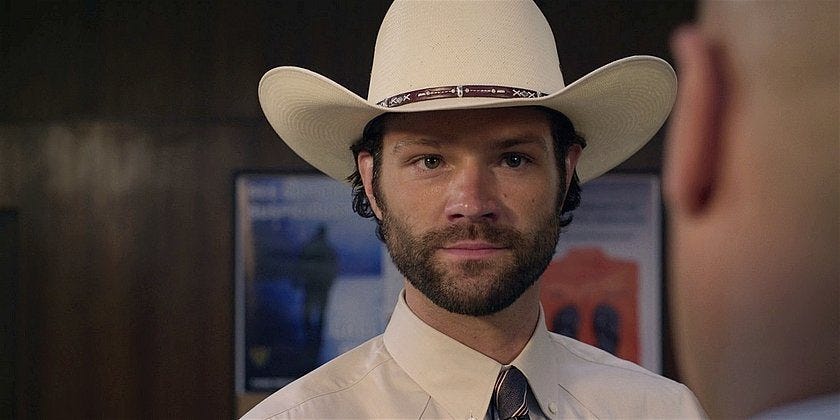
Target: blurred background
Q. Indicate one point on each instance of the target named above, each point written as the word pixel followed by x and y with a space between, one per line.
pixel 121 127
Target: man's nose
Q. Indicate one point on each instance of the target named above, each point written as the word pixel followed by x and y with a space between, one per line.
pixel 472 195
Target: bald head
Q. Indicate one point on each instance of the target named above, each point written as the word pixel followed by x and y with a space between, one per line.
pixel 751 182
pixel 776 40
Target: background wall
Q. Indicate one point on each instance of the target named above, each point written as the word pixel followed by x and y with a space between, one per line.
pixel 121 124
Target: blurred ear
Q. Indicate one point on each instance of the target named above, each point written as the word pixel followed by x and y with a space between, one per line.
pixel 572 157
pixel 365 162
pixel 692 155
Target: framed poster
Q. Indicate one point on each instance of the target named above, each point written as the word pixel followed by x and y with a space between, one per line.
pixel 604 285
pixel 312 280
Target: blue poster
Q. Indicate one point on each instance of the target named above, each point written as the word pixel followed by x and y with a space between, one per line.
pixel 309 277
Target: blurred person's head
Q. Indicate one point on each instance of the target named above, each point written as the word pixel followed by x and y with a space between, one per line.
pixel 751 180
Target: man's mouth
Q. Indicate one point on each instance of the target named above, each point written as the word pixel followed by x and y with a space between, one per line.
pixel 472 249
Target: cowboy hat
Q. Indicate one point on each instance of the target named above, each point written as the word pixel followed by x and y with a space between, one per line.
pixel 438 55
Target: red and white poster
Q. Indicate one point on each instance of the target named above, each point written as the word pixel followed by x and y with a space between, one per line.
pixel 603 286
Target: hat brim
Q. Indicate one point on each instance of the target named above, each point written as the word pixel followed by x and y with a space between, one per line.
pixel 617 108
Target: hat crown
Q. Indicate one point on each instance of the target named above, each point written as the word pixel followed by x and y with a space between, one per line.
pixel 426 44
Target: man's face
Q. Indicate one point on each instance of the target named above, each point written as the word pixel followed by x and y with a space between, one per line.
pixel 469 203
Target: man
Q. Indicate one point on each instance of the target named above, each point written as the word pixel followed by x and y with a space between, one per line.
pixel 751 182
pixel 468 155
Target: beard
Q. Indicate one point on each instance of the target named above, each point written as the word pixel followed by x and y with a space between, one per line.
pixel 472 287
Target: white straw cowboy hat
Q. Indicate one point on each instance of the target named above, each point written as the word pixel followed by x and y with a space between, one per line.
pixel 437 55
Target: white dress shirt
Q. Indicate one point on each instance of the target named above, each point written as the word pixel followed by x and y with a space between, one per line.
pixel 414 371
pixel 816 408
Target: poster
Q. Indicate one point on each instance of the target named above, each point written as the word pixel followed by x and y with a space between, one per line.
pixel 310 281
pixel 604 285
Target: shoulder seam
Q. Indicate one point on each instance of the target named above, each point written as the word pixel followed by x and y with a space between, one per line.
pixel 640 370
pixel 351 385
pixel 425 407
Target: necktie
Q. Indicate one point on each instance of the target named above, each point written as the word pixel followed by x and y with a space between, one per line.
pixel 510 395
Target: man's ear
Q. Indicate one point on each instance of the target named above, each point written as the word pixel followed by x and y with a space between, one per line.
pixel 365 162
pixel 572 157
pixel 693 149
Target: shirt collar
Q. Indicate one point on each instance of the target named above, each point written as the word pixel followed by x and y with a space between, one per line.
pixel 540 365
pixel 459 378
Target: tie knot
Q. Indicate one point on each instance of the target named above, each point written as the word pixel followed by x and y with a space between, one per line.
pixel 510 395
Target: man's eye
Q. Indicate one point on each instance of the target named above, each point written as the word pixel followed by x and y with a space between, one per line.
pixel 513 161
pixel 431 162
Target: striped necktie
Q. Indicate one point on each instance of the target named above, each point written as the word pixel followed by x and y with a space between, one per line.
pixel 510 395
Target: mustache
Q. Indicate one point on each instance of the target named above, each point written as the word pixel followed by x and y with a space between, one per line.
pixel 498 235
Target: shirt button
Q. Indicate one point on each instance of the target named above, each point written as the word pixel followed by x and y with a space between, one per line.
pixel 552 407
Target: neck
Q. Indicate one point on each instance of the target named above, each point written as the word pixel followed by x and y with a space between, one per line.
pixel 500 336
